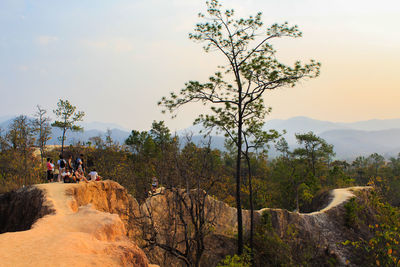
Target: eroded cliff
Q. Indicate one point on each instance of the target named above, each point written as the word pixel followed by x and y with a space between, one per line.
pixel 99 223
pixel 20 209
pixel 316 237
pixel 71 236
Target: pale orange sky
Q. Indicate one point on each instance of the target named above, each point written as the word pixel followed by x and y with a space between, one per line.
pixel 116 59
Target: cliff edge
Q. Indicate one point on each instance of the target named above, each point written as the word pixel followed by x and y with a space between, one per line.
pixel 69 234
pixel 99 223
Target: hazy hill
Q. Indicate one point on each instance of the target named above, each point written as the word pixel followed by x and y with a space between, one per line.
pixel 305 124
pixel 350 139
pixel 353 143
pixel 73 137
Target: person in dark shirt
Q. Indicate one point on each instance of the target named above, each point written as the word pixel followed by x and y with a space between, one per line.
pixel 70 167
pixel 79 163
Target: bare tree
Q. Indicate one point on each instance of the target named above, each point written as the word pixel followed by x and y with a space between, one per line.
pixel 41 125
pixel 21 137
pixel 189 216
pixel 188 219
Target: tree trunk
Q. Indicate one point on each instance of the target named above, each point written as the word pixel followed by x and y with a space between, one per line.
pixel 25 168
pixel 238 191
pixel 41 145
pixel 41 154
pixel 62 142
pixel 251 210
pixel 297 199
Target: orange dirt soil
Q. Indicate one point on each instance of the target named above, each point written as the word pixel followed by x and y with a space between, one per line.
pixel 70 237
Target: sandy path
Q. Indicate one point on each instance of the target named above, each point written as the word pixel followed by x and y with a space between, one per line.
pixel 55 193
pixel 340 196
pixel 84 238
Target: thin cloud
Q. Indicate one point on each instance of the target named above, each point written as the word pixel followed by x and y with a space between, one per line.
pixel 118 45
pixel 46 39
pixel 23 68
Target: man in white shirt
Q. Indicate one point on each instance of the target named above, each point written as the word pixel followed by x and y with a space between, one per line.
pixel 67 177
pixel 94 176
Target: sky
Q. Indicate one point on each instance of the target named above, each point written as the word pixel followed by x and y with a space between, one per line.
pixel 115 59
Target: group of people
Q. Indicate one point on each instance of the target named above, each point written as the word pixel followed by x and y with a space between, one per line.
pixel 70 171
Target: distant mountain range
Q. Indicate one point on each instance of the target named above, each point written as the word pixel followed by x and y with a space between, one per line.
pixel 91 129
pixel 350 140
pixel 304 124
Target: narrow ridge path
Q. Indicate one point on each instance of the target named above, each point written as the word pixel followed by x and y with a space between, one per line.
pixel 86 237
pixel 339 196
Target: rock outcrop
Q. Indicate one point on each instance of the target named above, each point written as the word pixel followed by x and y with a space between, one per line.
pixel 74 235
pixel 99 223
pixel 111 197
pixel 320 232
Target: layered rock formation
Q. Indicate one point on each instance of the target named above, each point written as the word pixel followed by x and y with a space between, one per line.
pixel 320 233
pixel 71 236
pixel 89 224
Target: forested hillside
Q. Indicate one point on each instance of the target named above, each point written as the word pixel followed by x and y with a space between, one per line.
pixel 296 180
pixel 270 176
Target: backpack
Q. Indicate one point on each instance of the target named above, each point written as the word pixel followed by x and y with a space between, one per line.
pixel 62 163
pixel 77 163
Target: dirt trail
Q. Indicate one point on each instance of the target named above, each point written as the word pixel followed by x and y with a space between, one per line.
pixel 70 237
pixel 340 196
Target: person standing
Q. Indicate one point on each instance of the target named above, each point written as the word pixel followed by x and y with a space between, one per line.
pixel 50 168
pixel 61 167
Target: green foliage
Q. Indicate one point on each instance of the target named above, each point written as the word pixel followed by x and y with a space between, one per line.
pixel 382 248
pixel 313 149
pixel 67 117
pixel 20 134
pixel 234 110
pixel 270 248
pixel 140 143
pixel 18 168
pixel 154 153
pixel 305 193
pixel 301 173
pixel 243 260
pixel 235 93
pixel 353 213
pixel 376 161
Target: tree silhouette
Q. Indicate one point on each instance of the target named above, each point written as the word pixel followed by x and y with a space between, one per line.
pixel 235 94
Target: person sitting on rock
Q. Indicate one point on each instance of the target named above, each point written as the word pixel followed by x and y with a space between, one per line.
pixel 67 177
pixel 79 163
pixel 80 176
pixel 94 176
